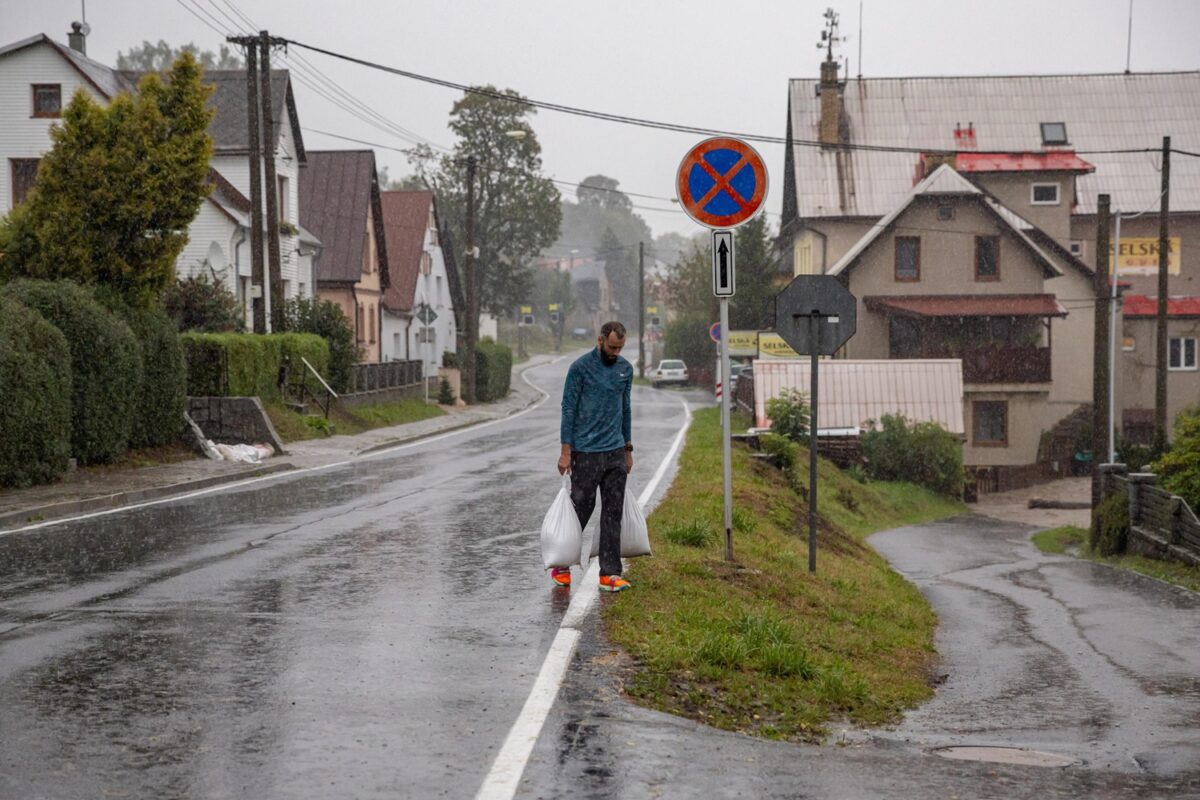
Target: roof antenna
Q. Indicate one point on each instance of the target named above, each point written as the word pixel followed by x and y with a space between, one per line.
pixel 860 5
pixel 83 13
pixel 1129 38
pixel 829 35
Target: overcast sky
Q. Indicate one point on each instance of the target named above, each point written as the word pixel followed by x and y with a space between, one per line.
pixel 706 63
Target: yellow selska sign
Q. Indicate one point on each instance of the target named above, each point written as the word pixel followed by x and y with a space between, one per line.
pixel 743 343
pixel 1140 256
pixel 771 345
pixel 526 309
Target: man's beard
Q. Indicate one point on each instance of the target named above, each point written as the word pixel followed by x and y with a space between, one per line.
pixel 607 359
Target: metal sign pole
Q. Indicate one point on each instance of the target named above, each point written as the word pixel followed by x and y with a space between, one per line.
pixel 728 475
pixel 814 331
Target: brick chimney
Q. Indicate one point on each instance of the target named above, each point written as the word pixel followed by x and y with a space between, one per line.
pixel 77 38
pixel 831 104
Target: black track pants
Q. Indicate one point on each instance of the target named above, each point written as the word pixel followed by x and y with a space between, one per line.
pixel 606 472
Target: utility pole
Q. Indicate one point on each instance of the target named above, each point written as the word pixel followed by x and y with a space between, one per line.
pixel 1160 372
pixel 1100 350
pixel 472 289
pixel 272 192
pixel 641 309
pixel 257 304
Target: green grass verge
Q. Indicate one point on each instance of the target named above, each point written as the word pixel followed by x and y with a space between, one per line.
pixel 1072 540
pixel 760 645
pixel 293 427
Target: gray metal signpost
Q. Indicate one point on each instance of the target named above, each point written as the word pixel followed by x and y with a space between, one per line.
pixel 815 314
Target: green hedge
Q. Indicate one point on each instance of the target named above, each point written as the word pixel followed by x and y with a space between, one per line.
pixel 106 365
pixel 314 348
pixel 163 393
pixel 919 452
pixel 35 397
pixel 247 364
pixel 493 371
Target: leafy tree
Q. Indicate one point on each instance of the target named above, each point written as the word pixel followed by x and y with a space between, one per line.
pixel 516 209
pixel 600 191
pixel 753 306
pixel 115 195
pixel 326 318
pixel 550 287
pixel 203 305
pixel 149 57
pixel 688 287
pixel 1179 467
pixel 406 183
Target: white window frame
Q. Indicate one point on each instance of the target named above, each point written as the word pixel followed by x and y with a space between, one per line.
pixel 1183 366
pixel 1076 248
pixel 1033 194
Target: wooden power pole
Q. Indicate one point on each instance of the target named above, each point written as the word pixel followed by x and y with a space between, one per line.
pixel 1160 371
pixel 257 304
pixel 276 293
pixel 1100 350
pixel 641 309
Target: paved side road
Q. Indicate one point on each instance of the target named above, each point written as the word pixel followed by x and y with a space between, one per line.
pixel 1041 652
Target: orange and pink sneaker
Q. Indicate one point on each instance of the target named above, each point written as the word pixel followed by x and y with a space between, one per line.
pixel 561 577
pixel 614 583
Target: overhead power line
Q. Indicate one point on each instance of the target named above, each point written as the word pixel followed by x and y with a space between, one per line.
pixel 657 124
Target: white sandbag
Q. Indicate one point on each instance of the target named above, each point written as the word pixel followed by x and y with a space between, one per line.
pixel 562 537
pixel 635 537
pixel 245 453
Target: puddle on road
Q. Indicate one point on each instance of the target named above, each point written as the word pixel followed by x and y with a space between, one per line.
pixel 1004 755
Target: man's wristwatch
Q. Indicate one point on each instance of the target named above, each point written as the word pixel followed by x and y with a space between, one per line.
pixel 628 448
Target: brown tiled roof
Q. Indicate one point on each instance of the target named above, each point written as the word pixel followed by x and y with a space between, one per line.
pixel 336 190
pixel 405 221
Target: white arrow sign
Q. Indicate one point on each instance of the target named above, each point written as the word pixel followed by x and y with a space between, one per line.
pixel 723 281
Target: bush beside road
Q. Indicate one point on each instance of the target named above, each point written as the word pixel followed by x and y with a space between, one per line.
pixel 760 645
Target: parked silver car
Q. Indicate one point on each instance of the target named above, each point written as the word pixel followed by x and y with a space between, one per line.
pixel 670 370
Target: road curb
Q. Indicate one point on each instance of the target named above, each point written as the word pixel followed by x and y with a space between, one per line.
pixel 109 501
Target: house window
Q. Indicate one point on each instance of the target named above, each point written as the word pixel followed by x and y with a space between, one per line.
pixel 24 172
pixel 1077 248
pixel 908 258
pixel 945 213
pixel 372 333
pixel 987 258
pixel 990 423
pixel 1181 353
pixel 47 100
pixel 358 323
pixel 1044 194
pixel 433 231
pixel 281 190
pixel 438 297
pixel 1128 344
pixel 426 264
pixel 1054 133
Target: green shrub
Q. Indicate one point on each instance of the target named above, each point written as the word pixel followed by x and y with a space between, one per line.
pixel 450 359
pixel 205 358
pixel 789 415
pixel 163 392
pixel 233 365
pixel 1110 534
pixel 326 319
pixel 493 370
pixel 919 452
pixel 35 397
pixel 1179 467
pixel 781 449
pixel 445 393
pixel 203 305
pixel 106 365
pixel 686 338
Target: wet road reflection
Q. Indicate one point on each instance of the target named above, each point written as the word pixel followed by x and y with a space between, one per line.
pixel 370 630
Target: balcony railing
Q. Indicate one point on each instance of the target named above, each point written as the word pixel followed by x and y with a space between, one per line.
pixel 1003 364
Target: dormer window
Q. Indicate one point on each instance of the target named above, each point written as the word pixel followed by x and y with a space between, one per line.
pixel 1044 194
pixel 47 100
pixel 1054 133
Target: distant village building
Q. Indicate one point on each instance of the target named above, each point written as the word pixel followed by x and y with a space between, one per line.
pixel 38 77
pixel 987 253
pixel 420 276
pixel 339 195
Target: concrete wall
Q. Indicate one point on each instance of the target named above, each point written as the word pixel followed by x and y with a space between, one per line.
pixel 234 420
pixel 1136 368
pixel 1015 190
pixel 1027 419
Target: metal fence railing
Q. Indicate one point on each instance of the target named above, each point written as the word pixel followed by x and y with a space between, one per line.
pixel 384 375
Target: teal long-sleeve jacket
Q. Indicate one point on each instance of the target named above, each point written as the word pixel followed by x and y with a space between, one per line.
pixel 596 415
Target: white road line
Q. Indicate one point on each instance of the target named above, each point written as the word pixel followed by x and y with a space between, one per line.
pixel 505 775
pixel 289 473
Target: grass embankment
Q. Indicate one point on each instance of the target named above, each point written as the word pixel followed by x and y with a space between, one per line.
pixel 293 427
pixel 1073 540
pixel 760 645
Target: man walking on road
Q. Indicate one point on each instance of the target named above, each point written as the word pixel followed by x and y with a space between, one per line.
pixel 597 446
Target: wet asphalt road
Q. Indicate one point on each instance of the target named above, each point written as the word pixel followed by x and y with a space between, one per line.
pixel 365 631
pixel 1039 652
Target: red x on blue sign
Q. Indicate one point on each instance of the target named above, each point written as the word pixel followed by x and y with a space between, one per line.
pixel 722 182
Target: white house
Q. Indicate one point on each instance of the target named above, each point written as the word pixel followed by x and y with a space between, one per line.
pixel 38 77
pixel 421 275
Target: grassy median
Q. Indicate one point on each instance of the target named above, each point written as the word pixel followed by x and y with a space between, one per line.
pixel 293 427
pixel 1073 540
pixel 760 645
